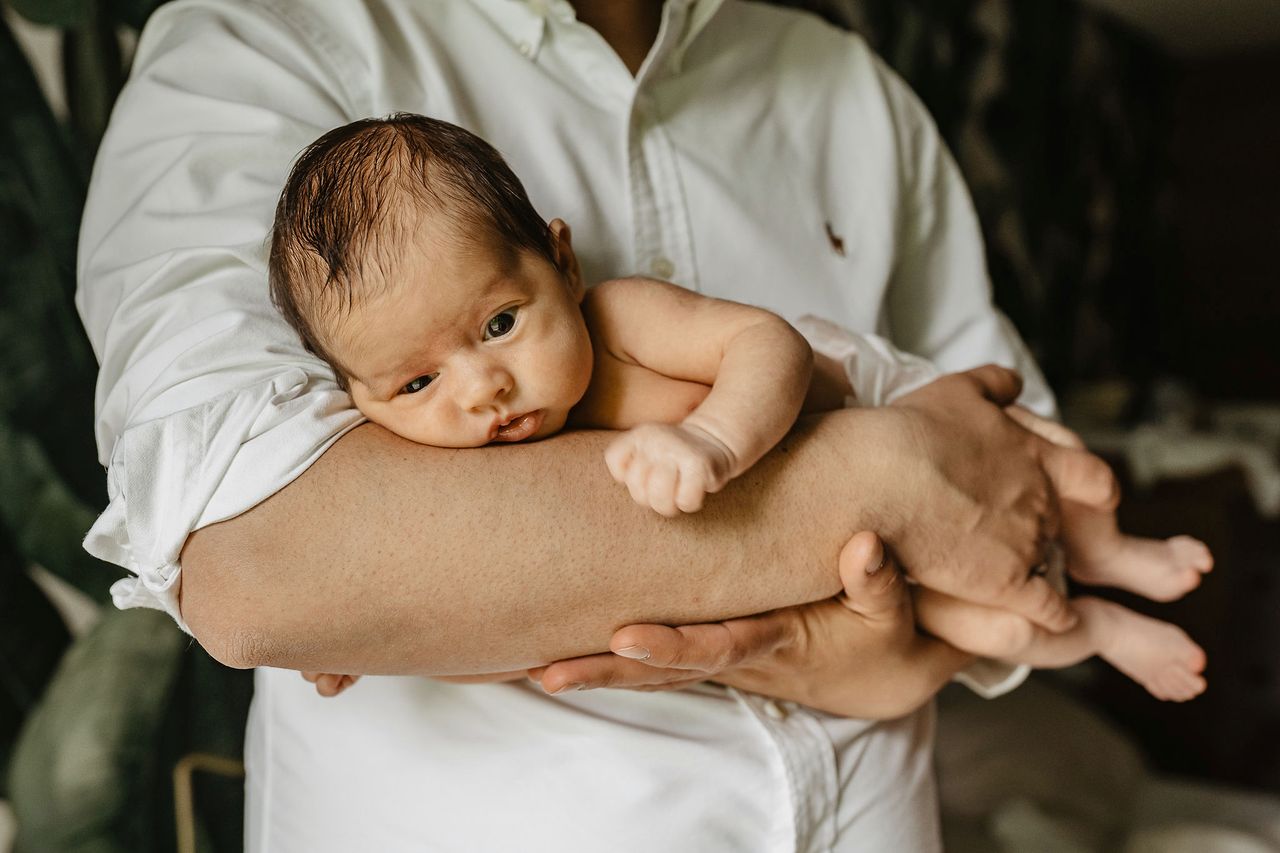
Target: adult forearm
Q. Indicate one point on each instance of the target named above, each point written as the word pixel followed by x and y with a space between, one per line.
pixel 391 557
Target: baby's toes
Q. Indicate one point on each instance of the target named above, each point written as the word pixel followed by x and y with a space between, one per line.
pixel 1179 685
pixel 1180 679
pixel 1190 553
pixel 1193 659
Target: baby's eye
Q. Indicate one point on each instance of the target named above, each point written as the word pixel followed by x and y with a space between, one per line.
pixel 500 324
pixel 418 384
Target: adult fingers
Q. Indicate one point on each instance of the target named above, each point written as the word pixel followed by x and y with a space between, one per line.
pixel 998 384
pixel 1037 600
pixel 606 670
pixel 656 656
pixel 1050 431
pixel 669 685
pixel 485 678
pixel 988 631
pixel 1079 476
pixel 708 648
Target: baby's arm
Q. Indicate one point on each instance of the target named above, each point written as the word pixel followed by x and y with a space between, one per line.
pixel 758 368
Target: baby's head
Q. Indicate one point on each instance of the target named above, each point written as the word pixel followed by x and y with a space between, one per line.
pixel 407 255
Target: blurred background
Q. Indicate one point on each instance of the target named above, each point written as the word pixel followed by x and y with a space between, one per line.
pixel 1124 157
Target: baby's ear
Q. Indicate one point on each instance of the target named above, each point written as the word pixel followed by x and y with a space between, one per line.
pixel 566 260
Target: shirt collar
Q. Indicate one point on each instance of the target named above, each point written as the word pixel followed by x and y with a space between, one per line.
pixel 700 13
pixel 524 22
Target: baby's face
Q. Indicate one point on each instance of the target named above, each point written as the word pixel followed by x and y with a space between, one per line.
pixel 471 345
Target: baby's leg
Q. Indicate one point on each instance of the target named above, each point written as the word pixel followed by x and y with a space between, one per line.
pixel 1157 655
pixel 1098 554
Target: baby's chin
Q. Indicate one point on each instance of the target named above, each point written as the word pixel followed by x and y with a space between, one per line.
pixel 553 421
pixel 532 426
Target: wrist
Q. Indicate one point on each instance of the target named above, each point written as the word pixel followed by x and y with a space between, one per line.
pixel 720 442
pixel 880 457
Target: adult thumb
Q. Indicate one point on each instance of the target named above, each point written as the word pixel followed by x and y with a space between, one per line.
pixel 873 584
pixel 998 384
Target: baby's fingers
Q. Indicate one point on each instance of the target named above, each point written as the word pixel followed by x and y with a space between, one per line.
pixel 329 684
pixel 661 489
pixel 637 480
pixel 690 491
pixel 618 456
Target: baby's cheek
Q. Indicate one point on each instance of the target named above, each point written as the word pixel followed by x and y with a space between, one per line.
pixel 399 420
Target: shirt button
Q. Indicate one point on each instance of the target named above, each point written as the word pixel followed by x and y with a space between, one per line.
pixel 662 268
pixel 526 49
pixel 774 711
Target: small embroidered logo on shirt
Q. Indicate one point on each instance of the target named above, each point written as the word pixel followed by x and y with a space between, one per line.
pixel 837 242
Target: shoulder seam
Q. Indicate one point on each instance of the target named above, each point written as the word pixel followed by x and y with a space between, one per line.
pixel 334 50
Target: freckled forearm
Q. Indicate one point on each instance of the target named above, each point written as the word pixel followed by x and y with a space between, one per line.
pixel 391 557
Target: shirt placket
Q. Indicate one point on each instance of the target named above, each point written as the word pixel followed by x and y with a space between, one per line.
pixel 662 236
pixel 808 759
pixel 662 246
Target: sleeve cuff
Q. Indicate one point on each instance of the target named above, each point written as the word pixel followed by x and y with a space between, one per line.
pixel 170 476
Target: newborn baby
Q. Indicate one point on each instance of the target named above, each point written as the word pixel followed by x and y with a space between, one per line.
pixel 407 255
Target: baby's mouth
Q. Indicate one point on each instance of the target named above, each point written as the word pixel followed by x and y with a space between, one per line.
pixel 519 427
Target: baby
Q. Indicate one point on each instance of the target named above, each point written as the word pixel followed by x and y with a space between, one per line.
pixel 407 255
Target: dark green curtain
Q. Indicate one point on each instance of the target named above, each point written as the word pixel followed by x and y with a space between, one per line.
pixel 89 731
pixel 1059 119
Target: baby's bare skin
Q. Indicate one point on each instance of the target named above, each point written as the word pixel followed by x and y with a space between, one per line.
pixel 1157 655
pixel 469 341
pixel 625 393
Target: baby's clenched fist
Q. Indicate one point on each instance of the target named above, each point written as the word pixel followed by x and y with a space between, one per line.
pixel 670 468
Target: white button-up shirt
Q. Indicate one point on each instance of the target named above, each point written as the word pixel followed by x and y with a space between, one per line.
pixel 758 155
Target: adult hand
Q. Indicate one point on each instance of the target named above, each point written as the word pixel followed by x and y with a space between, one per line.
pixel 857 654
pixel 987 495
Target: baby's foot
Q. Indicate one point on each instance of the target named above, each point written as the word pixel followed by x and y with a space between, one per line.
pixel 1157 655
pixel 1158 569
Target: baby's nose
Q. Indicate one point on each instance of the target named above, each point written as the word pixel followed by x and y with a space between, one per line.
pixel 491 383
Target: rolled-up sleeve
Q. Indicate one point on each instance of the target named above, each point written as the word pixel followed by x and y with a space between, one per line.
pixel 206 401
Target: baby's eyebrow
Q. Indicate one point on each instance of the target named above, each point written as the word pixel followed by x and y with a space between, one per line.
pixel 377 386
pixel 386 384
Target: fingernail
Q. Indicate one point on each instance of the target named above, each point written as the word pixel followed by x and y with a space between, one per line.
pixel 571 686
pixel 878 566
pixel 633 652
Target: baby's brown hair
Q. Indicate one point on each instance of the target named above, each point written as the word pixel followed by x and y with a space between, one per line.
pixel 353 185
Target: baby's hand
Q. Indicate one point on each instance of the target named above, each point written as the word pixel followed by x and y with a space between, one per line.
pixel 670 468
pixel 328 684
